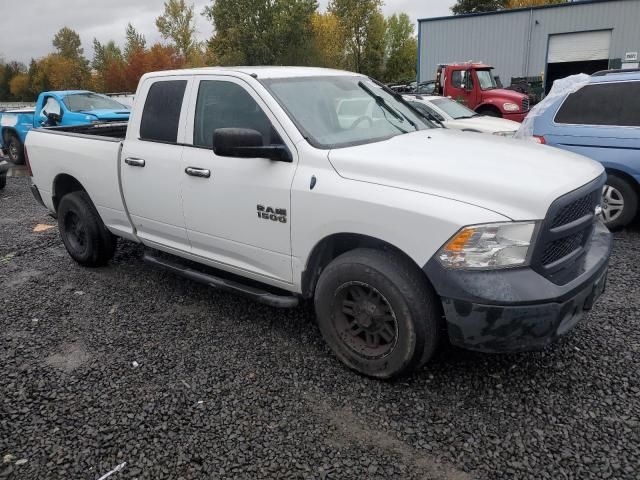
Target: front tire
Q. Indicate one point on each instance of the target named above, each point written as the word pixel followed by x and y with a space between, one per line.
pixel 619 203
pixel 84 234
pixel 3 180
pixel 15 150
pixel 377 312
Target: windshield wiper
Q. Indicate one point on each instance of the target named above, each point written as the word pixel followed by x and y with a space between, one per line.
pixel 382 103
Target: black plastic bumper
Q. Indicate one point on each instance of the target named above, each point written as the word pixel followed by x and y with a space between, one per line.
pixel 518 309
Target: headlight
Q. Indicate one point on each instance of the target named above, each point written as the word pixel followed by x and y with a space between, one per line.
pixel 490 246
pixel 510 107
pixel 505 134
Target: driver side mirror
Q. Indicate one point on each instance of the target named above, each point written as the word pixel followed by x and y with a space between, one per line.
pixel 247 143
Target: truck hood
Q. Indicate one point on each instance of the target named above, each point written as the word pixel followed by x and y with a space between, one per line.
pixel 516 178
pixel 110 114
pixel 484 123
pixel 505 95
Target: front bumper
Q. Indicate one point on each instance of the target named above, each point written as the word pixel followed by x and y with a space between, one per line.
pixel 516 116
pixel 518 309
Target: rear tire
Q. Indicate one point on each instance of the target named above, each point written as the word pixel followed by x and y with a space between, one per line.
pixel 15 150
pixel 377 312
pixel 84 234
pixel 619 202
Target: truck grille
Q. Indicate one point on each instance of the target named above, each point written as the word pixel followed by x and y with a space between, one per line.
pixel 565 231
pixel 558 249
pixel 525 104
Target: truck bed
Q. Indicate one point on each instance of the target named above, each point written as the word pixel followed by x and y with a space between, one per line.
pixel 88 153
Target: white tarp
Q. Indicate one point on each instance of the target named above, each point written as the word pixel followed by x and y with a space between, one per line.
pixel 579 47
pixel 560 88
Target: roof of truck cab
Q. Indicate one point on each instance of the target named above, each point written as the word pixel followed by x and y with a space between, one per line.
pixel 261 72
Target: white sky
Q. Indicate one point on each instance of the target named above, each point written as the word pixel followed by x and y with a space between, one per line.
pixel 33 23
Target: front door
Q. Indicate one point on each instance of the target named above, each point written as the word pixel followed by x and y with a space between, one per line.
pixel 461 87
pixel 237 210
pixel 151 165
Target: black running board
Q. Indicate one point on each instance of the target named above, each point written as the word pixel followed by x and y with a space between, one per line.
pixel 261 296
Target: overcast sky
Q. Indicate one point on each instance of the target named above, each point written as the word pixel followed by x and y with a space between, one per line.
pixel 28 32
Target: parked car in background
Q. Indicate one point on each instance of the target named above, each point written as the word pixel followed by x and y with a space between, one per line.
pixel 398 231
pixel 475 85
pixel 426 88
pixel 56 108
pixel 601 120
pixel 454 115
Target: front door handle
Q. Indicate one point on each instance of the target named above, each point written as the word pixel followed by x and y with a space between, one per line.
pixel 197 172
pixel 134 162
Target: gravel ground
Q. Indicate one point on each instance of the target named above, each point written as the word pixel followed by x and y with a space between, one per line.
pixel 225 388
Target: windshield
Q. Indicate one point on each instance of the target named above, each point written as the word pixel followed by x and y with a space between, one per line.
pixel 83 102
pixel 333 111
pixel 454 109
pixel 486 80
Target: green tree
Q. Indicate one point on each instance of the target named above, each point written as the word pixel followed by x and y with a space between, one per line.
pixel 7 73
pixel 67 42
pixel 477 6
pixel 372 62
pixel 104 58
pixel 360 20
pixel 134 42
pixel 261 32
pixel 328 40
pixel 402 49
pixel 177 24
pixel 531 3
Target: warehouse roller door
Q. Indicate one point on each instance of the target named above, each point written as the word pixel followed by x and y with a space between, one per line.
pixel 580 52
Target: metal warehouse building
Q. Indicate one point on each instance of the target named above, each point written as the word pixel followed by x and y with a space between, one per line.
pixel 553 41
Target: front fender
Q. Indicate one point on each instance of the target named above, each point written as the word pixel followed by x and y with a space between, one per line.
pixel 418 224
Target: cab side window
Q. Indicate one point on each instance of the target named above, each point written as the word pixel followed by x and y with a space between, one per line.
pixel 460 77
pixel 606 104
pixel 161 114
pixel 222 104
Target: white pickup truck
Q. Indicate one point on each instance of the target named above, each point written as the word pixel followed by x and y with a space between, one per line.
pixel 254 180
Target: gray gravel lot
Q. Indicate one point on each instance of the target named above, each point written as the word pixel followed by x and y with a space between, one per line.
pixel 225 388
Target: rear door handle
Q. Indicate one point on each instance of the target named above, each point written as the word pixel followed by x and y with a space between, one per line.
pixel 134 162
pixel 197 172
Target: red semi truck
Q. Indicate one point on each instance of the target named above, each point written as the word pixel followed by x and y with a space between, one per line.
pixel 474 85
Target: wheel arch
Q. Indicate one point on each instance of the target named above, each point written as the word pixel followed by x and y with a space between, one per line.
pixel 6 132
pixel 63 184
pixel 483 107
pixel 625 176
pixel 334 245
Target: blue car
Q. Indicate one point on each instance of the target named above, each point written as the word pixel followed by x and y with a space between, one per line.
pixel 56 108
pixel 601 120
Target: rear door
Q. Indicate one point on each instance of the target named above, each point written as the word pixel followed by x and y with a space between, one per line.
pixel 151 165
pixel 238 216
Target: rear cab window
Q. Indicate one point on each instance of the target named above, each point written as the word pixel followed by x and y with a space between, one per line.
pixel 161 113
pixel 602 104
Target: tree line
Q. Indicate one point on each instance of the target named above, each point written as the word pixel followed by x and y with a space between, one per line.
pixel 351 34
pixel 478 6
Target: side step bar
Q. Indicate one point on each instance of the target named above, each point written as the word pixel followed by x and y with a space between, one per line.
pixel 261 296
